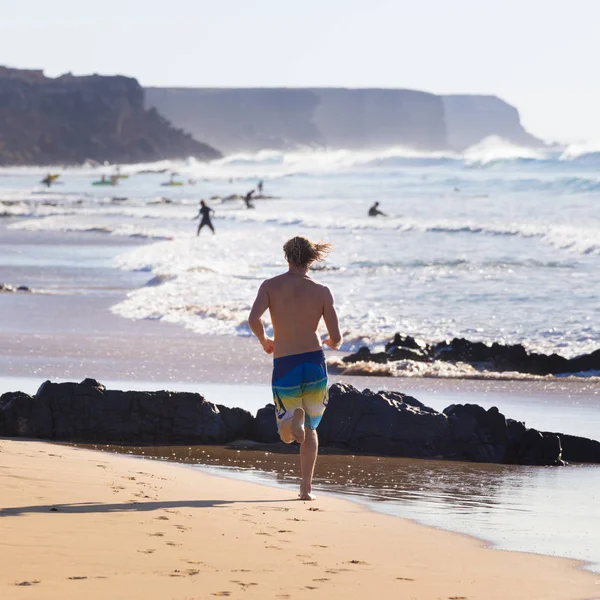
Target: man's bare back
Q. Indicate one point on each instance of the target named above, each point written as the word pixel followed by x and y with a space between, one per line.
pixel 297 303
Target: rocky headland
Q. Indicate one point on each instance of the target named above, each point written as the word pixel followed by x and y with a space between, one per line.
pixel 498 358
pixel 69 120
pixel 252 119
pixel 376 423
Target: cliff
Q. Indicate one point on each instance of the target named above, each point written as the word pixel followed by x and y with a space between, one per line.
pixel 281 118
pixel 469 119
pixel 71 119
pixel 285 118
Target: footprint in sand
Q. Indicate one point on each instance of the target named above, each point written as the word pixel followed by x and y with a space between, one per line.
pixel 158 534
pixel 244 585
pixel 27 583
pixel 76 578
pixel 357 562
pixel 172 544
pixel 405 578
pixel 319 546
pixel 150 551
pixel 162 518
pixel 457 598
pixel 221 594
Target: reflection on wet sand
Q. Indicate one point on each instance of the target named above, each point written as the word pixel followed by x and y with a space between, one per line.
pixel 535 509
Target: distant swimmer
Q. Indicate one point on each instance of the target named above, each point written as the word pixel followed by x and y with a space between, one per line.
pixel 248 199
pixel 260 186
pixel 204 212
pixel 375 212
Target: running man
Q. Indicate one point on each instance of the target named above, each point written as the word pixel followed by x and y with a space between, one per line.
pixel 204 211
pixel 297 303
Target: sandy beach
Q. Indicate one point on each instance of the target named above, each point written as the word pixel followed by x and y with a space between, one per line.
pixel 78 523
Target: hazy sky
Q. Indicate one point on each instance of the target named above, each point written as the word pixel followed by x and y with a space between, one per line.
pixel 540 55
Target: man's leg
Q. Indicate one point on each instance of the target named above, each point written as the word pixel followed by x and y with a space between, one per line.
pixel 308 457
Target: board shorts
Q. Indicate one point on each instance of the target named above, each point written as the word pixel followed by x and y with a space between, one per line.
pixel 300 381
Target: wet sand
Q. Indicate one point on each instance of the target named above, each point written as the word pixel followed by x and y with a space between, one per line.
pixel 77 523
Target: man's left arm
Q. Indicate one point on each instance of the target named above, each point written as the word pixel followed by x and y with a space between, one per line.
pixel 261 303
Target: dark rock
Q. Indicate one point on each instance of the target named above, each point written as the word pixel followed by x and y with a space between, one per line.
pixel 382 423
pixel 265 427
pixel 87 412
pixel 497 357
pixel 71 119
pixel 578 449
pixel 365 355
pixel 378 423
pixel 24 288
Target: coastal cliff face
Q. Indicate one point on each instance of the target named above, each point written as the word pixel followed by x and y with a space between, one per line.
pixel 283 118
pixel 469 119
pixel 279 118
pixel 72 119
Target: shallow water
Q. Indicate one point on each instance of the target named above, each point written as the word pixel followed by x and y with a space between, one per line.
pixel 532 509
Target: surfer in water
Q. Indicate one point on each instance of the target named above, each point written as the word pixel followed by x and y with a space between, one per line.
pixel 375 212
pixel 248 199
pixel 204 212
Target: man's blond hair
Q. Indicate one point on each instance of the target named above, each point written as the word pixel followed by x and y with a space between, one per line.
pixel 301 252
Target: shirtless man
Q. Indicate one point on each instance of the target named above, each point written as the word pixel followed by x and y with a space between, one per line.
pixel 297 303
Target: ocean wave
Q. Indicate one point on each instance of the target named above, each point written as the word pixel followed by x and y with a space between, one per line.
pixel 62 223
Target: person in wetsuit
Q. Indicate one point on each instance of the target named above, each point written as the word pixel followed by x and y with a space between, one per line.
pixel 204 212
pixel 374 211
pixel 248 199
pixel 260 186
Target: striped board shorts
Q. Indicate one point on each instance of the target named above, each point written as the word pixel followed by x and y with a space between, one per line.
pixel 300 381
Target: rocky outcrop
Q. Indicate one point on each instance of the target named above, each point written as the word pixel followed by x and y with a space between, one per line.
pixel 70 119
pixel 87 412
pixel 383 423
pixel 472 118
pixel 237 120
pixel 497 357
pixel 395 424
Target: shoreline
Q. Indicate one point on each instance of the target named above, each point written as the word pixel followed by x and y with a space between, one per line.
pixel 335 561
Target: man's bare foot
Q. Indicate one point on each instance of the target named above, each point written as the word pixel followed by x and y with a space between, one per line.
pixel 298 426
pixel 285 431
pixel 306 495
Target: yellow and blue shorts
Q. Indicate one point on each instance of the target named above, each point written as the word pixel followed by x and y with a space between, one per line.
pixel 300 381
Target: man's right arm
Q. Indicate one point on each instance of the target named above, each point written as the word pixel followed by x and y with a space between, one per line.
pixel 261 303
pixel 330 317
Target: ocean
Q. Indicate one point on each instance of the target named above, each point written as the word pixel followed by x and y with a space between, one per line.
pixel 497 244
